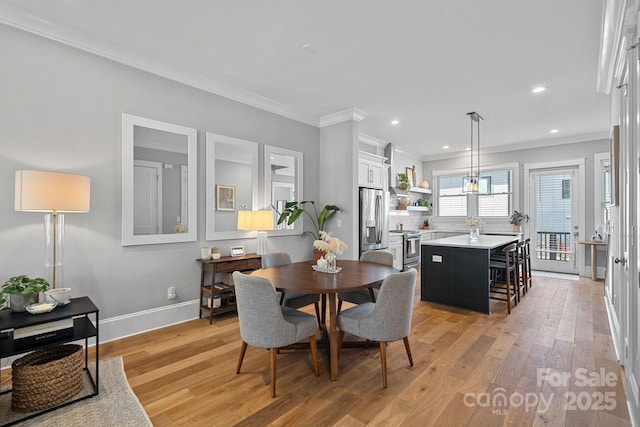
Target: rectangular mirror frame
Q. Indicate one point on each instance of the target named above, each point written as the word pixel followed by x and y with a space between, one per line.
pixel 128 237
pixel 210 185
pixel 269 203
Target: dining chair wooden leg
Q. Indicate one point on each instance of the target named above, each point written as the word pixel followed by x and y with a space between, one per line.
pixel 243 350
pixel 272 364
pixel 339 305
pixel 314 354
pixel 383 362
pixel 408 348
pixel 317 306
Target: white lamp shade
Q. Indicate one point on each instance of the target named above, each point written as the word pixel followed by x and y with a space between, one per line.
pixel 255 220
pixel 42 191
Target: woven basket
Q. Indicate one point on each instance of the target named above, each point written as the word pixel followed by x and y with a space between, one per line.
pixel 46 377
pixel 227 279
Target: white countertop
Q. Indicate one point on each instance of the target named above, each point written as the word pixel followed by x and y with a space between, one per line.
pixel 498 233
pixel 463 241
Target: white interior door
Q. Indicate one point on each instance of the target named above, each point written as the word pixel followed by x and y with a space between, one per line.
pixel 554 221
pixel 147 197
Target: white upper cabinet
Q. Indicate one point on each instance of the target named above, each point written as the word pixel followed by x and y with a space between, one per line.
pixel 372 171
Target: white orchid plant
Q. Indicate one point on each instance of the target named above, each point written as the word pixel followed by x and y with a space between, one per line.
pixel 330 245
pixel 473 221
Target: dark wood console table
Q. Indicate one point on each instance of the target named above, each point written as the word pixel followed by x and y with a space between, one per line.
pixel 79 309
pixel 210 289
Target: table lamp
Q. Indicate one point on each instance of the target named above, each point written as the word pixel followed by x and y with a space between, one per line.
pixel 259 221
pixel 54 193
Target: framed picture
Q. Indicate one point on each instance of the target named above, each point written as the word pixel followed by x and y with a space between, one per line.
pixel 614 156
pixel 225 197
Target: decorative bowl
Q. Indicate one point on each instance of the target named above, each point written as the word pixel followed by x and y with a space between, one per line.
pixel 404 201
pixel 41 307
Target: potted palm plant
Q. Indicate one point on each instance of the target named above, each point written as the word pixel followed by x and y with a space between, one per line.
pixel 294 210
pixel 20 291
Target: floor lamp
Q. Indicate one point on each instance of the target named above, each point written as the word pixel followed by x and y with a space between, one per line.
pixel 53 193
pixel 259 221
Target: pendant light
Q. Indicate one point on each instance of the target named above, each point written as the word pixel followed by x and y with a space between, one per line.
pixel 471 183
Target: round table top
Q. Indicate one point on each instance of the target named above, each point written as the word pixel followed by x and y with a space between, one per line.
pixel 301 278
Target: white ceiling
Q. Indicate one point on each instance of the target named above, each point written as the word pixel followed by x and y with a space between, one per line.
pixel 424 63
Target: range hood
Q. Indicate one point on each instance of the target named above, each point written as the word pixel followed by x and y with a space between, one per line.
pixel 389 152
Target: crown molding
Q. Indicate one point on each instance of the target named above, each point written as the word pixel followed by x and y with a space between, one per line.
pixel 371 140
pixel 354 114
pixel 16 17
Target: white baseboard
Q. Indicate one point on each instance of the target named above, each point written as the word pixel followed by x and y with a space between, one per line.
pixel 118 327
pixel 127 325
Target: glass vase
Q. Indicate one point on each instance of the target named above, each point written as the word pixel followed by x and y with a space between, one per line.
pixel 474 233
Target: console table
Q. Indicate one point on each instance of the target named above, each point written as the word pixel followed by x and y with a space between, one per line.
pixel 79 309
pixel 593 245
pixel 210 289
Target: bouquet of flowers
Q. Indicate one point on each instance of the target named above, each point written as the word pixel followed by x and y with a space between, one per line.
pixel 330 245
pixel 472 221
pixel 519 218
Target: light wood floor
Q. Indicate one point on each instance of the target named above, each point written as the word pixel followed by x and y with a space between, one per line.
pixel 463 363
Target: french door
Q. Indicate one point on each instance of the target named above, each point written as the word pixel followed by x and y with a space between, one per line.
pixel 554 225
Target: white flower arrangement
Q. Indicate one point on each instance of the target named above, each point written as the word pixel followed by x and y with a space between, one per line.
pixel 472 221
pixel 330 245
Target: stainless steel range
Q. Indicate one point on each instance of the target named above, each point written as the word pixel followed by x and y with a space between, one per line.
pixel 410 248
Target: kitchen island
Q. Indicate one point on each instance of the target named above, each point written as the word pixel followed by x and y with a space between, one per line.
pixel 455 270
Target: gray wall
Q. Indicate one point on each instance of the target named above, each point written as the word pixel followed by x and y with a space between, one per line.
pixel 61 110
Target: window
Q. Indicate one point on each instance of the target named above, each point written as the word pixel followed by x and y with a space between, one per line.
pixel 605 193
pixel 602 191
pixel 494 200
pixel 497 200
pixel 451 200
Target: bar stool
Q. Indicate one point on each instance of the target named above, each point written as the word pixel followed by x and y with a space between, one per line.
pixel 504 277
pixel 520 268
pixel 527 264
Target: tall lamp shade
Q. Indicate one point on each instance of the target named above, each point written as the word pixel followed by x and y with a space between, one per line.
pixel 53 193
pixel 259 221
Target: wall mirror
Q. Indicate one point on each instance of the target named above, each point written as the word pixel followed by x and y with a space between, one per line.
pixel 282 184
pixel 232 185
pixel 159 182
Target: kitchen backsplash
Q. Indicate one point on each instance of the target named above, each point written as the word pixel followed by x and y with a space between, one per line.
pixel 414 222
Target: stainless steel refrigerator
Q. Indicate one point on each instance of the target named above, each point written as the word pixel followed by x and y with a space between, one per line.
pixel 374 219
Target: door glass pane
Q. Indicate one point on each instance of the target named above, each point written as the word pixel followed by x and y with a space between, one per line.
pixel 554 217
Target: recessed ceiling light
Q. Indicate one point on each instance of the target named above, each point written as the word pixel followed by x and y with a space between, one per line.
pixel 554 131
pixel 446 147
pixel 309 48
pixel 467 149
pixel 538 89
pixel 395 122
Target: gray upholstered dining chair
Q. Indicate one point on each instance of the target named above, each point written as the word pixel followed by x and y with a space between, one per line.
pixel 366 295
pixel 386 320
pixel 290 299
pixel 265 323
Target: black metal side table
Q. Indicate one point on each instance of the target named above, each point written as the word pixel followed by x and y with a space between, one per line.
pixel 79 309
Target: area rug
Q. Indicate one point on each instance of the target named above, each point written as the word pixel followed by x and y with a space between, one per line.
pixel 115 405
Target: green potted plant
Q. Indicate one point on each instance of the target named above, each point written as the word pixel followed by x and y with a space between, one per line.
pixel 293 211
pixel 20 291
pixel 517 219
pixel 403 181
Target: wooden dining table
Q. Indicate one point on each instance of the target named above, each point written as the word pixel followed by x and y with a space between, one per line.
pixel 301 278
